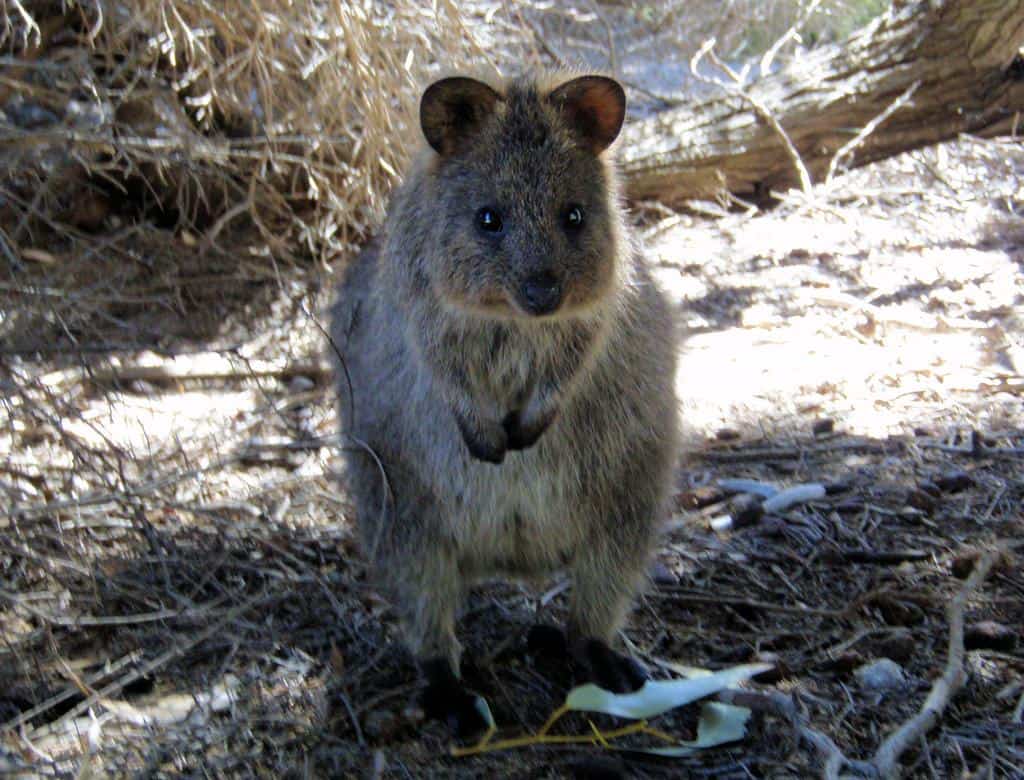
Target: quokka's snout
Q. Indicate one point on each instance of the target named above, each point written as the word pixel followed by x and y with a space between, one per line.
pixel 540 293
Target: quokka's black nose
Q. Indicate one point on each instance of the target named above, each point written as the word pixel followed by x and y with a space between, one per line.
pixel 541 293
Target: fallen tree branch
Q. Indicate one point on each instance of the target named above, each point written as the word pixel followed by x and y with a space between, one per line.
pixel 842 105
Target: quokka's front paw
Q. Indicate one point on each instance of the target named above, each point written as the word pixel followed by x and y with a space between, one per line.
pixel 485 441
pixel 524 428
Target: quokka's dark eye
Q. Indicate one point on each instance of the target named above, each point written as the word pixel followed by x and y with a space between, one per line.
pixel 574 218
pixel 489 220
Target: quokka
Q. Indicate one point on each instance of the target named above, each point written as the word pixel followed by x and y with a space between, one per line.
pixel 507 373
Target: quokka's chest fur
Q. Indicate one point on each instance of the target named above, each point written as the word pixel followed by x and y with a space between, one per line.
pixel 519 519
pixel 500 362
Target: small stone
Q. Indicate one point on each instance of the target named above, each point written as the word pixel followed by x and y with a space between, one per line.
pixel 823 426
pixel 898 613
pixel 919 499
pixel 727 434
pixel 954 481
pixel 300 384
pixel 990 635
pixel 745 510
pixel 899 645
pixel 881 676
pixel 963 565
pixel 662 575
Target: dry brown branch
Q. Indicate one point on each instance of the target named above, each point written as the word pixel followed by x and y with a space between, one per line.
pixel 109 620
pixel 676 594
pixel 948 684
pixel 90 680
pixel 238 133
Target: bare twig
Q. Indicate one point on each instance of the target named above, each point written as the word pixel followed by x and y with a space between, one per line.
pixel 782 706
pixel 851 145
pixel 194 367
pixel 882 557
pixel 786 37
pixel 736 87
pixel 887 756
pixel 150 666
pixel 109 620
pixel 107 670
pixel 679 594
pixel 790 453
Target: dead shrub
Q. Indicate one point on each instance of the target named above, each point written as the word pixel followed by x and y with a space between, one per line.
pixel 149 148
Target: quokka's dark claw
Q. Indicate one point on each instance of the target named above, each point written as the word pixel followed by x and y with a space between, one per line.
pixel 520 436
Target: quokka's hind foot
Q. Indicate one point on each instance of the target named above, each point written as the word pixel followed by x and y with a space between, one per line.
pixel 446 698
pixel 593 659
pixel 608 669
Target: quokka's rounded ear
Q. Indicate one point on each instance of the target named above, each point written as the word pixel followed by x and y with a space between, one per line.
pixel 593 107
pixel 452 109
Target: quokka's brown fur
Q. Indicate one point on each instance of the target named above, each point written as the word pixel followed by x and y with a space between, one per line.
pixel 486 437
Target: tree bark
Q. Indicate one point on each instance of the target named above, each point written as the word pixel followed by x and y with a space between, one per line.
pixel 949 66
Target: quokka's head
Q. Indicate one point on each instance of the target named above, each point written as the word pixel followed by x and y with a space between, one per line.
pixel 526 221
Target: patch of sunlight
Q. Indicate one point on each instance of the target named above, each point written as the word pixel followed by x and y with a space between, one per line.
pixel 148 425
pixel 874 386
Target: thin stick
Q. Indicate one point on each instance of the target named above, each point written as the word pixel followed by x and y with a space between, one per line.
pixel 70 691
pixel 945 687
pixel 782 706
pixel 759 108
pixel 164 658
pixel 869 128
pixel 200 366
pixel 790 34
pixel 109 620
pixel 782 453
pixel 696 598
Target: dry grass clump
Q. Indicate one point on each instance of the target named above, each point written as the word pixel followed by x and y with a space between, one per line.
pixel 147 147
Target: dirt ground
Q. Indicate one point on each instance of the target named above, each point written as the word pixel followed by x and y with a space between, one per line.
pixel 182 593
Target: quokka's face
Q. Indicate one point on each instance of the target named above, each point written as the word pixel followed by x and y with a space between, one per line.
pixel 526 221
